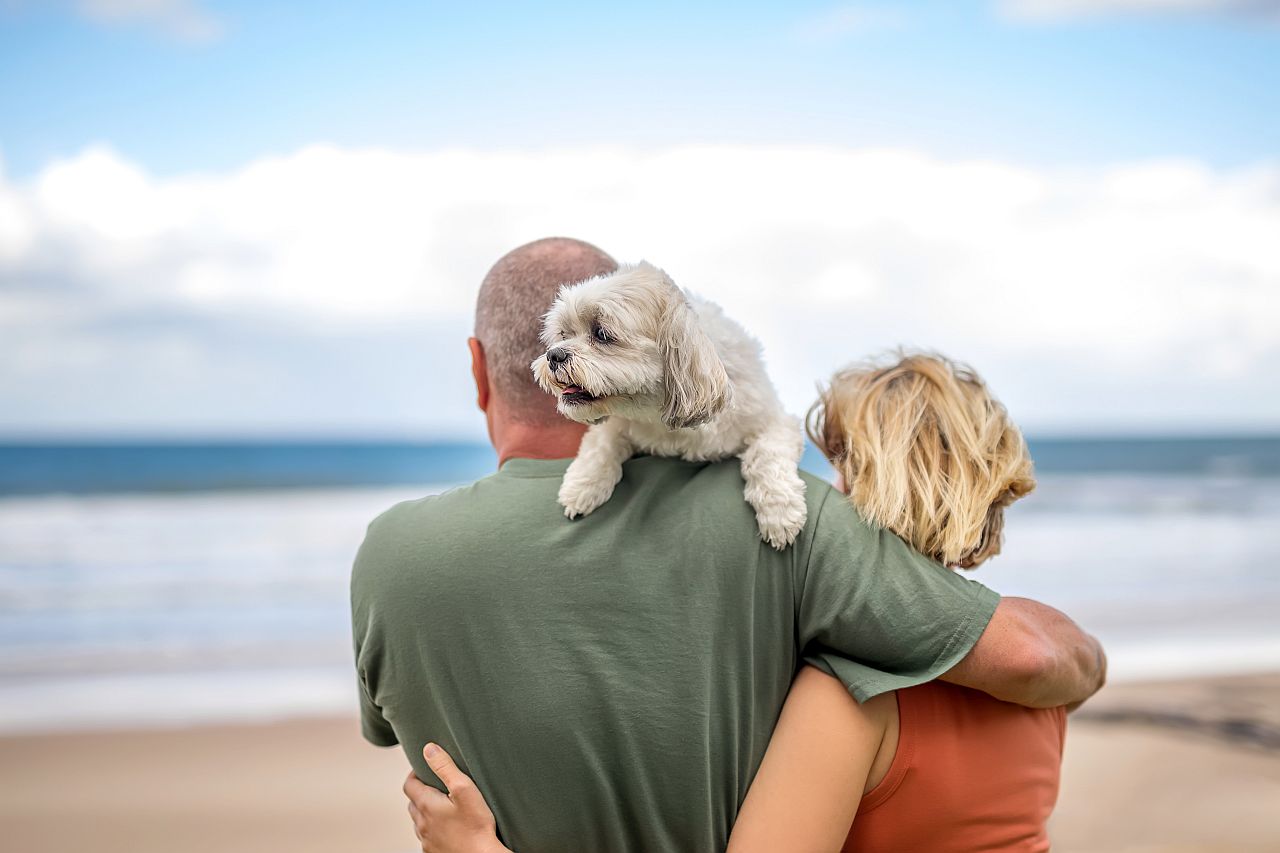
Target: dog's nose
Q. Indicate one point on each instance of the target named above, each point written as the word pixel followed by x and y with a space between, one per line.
pixel 557 356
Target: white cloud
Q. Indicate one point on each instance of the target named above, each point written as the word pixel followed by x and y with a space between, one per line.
pixel 333 288
pixel 1058 10
pixel 185 20
pixel 840 22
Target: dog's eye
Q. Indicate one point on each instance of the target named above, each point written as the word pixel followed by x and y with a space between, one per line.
pixel 598 332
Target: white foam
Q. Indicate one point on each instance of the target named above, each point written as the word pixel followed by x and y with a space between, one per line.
pixel 149 700
pixel 175 699
pixel 128 610
pixel 1170 658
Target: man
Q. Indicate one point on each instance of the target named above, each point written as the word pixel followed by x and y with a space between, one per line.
pixel 611 683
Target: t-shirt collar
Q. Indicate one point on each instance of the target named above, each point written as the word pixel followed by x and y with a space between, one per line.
pixel 520 467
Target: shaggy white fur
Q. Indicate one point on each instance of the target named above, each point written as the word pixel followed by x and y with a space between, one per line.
pixel 656 370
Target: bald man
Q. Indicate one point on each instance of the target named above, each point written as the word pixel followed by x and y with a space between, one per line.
pixel 611 683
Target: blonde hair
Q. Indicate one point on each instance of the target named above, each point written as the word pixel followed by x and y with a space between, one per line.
pixel 924 451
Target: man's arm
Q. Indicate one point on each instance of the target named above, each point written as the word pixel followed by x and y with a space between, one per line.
pixel 880 616
pixel 1032 655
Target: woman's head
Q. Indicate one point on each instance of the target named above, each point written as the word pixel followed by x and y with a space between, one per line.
pixel 924 450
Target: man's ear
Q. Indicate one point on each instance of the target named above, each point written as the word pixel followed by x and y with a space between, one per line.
pixel 480 371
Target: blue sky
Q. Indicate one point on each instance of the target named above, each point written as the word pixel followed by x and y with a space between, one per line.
pixel 234 218
pixel 962 79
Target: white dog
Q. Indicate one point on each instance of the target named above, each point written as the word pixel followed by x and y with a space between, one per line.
pixel 655 370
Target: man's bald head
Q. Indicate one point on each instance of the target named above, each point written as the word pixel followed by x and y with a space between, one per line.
pixel 514 296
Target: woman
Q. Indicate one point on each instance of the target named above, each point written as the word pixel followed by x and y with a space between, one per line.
pixel 923 449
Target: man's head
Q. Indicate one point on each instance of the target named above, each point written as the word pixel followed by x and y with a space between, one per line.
pixel 514 296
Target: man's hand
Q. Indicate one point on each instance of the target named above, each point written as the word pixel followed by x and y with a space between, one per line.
pixel 457 822
pixel 1033 655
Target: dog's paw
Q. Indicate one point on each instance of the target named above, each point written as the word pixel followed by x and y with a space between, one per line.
pixel 780 532
pixel 583 497
pixel 781 513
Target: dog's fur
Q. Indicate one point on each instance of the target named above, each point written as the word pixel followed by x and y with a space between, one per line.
pixel 673 376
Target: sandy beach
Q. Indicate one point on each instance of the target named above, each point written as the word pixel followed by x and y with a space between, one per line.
pixel 1189 765
pixel 1184 766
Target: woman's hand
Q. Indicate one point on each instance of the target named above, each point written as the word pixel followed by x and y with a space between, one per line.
pixel 457 822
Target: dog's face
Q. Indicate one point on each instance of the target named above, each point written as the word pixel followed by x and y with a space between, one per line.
pixel 628 344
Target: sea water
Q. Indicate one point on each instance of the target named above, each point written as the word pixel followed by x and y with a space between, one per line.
pixel 171 584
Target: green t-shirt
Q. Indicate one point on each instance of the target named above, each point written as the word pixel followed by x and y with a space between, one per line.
pixel 611 683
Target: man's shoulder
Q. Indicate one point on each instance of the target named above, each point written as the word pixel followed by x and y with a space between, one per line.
pixel 416 522
pixel 413 514
pixel 817 492
pixel 640 473
pixel 716 489
pixel 832 512
pixel 499 509
pixel 718 473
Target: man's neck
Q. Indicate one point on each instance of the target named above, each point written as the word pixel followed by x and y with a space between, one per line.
pixel 517 440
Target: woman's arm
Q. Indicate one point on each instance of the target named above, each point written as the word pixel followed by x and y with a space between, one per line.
pixel 826 751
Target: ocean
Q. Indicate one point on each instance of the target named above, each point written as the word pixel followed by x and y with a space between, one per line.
pixel 176 583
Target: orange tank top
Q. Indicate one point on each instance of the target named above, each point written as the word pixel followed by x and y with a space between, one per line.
pixel 971 773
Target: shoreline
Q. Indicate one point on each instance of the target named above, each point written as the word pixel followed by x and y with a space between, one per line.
pixel 1181 765
pixel 1239 709
pixel 178 696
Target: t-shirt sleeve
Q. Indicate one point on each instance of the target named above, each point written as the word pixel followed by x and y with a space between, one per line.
pixel 373 725
pixel 367 639
pixel 878 615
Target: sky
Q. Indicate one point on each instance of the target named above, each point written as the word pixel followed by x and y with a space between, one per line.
pixel 259 219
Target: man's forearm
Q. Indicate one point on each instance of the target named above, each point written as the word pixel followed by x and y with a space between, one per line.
pixel 1033 655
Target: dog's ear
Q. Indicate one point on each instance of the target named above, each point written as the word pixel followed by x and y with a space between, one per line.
pixel 695 385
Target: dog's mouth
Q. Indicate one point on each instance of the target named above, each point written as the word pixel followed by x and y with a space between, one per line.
pixel 574 395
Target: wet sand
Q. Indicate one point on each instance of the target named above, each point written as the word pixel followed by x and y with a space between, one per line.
pixel 1183 766
pixel 1190 765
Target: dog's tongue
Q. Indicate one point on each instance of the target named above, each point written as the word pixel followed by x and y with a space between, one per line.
pixel 572 389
